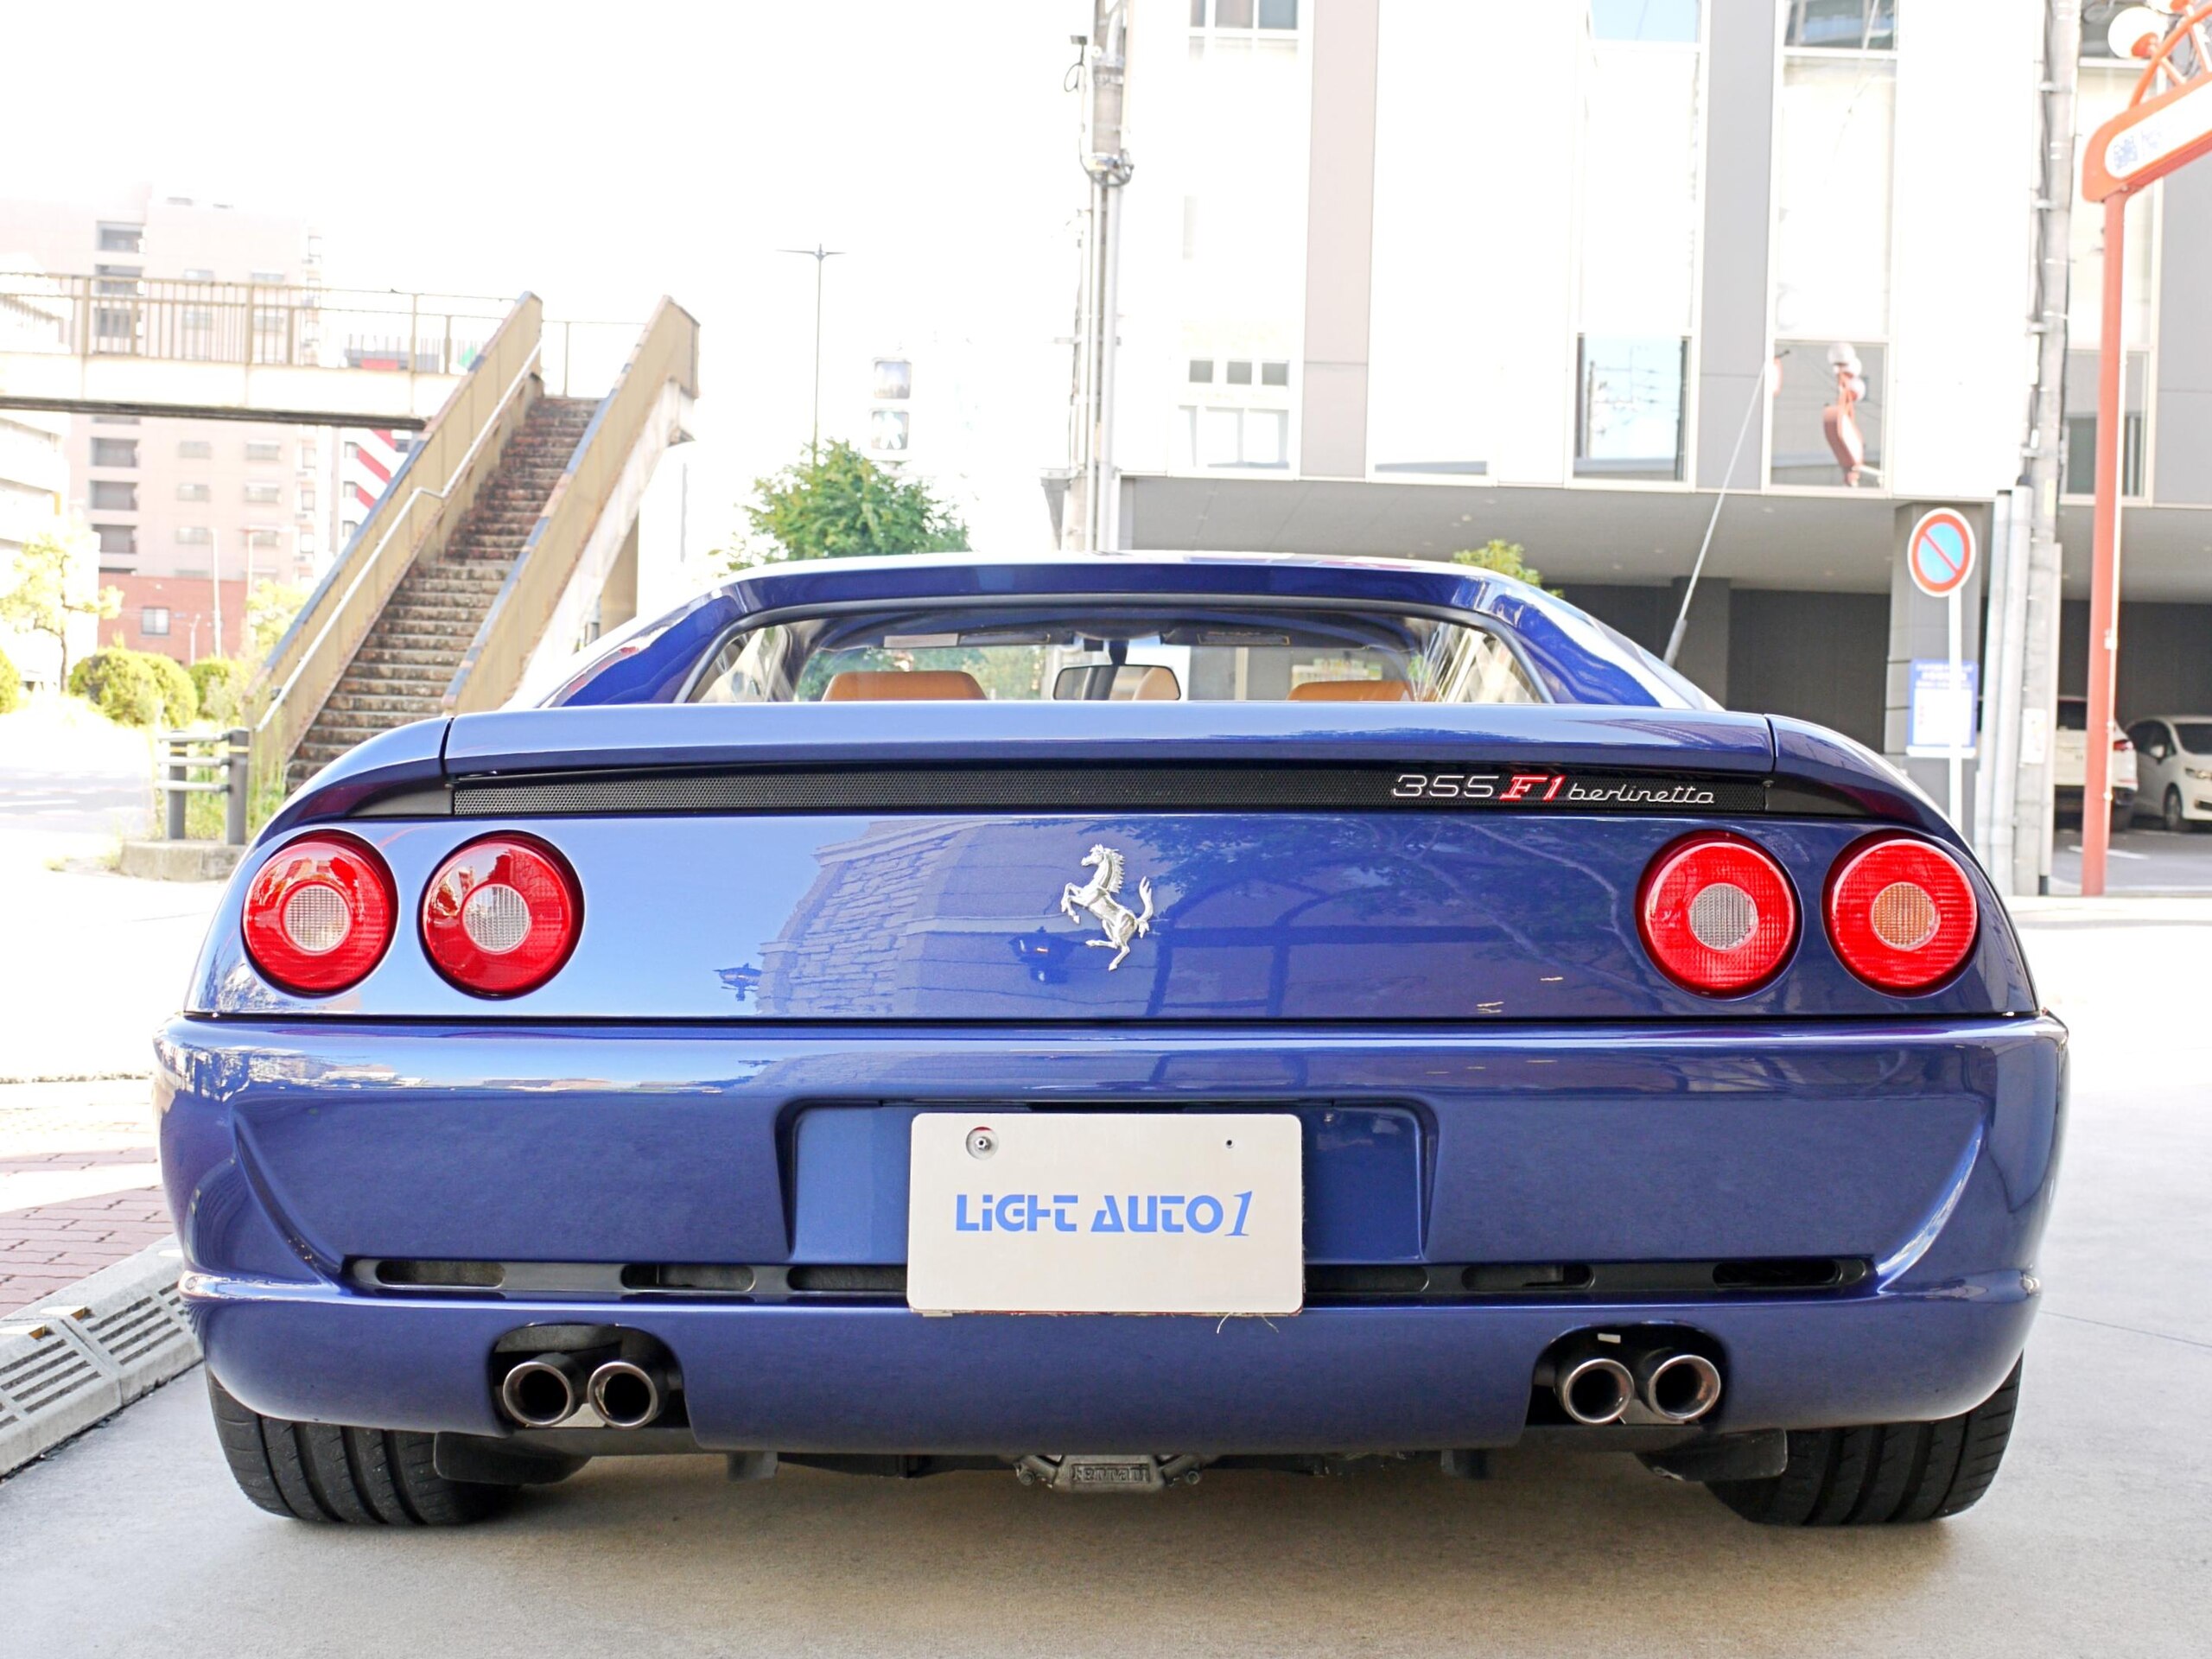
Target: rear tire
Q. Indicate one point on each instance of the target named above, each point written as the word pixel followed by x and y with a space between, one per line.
pixel 2122 816
pixel 1894 1474
pixel 359 1476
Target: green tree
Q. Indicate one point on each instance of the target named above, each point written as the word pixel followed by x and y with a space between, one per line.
pixel 270 608
pixel 40 599
pixel 843 505
pixel 1506 558
pixel 11 686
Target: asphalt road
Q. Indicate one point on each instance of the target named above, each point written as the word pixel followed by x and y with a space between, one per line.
pixel 2096 1539
pixel 2143 859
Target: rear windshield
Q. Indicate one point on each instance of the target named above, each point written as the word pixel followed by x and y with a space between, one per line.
pixel 1116 655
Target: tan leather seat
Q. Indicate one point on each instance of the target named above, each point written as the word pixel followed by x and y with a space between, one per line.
pixel 1153 685
pixel 922 685
pixel 1352 691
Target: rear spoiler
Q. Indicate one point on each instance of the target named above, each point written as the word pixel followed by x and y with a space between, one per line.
pixel 962 756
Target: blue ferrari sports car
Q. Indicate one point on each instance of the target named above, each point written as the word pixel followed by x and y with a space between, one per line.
pixel 1101 1019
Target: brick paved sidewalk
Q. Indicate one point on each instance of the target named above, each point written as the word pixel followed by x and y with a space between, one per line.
pixel 77 1184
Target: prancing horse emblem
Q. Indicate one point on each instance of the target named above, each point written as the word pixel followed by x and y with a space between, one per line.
pixel 1124 926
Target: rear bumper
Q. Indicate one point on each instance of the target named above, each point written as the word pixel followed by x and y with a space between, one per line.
pixel 291 1149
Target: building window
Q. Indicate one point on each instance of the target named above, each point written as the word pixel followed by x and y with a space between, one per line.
pixel 268 276
pixel 353 450
pixel 122 238
pixel 307 545
pixel 197 275
pixel 1202 371
pixel 154 620
pixel 195 535
pixel 1828 413
pixel 1236 438
pixel 309 457
pixel 1275 374
pixel 307 497
pixel 115 420
pixel 117 279
pixel 887 430
pixel 1643 20
pixel 1237 373
pixel 263 541
pixel 1832 269
pixel 1844 25
pixel 2081 463
pixel 116 540
pixel 263 449
pixel 113 495
pixel 194 449
pixel 1628 407
pixel 264 495
pixel 401 443
pixel 895 379
pixel 1244 13
pixel 194 493
pixel 115 451
pixel 348 530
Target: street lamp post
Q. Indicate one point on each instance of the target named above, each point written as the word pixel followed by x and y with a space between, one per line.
pixel 821 256
pixel 2167 125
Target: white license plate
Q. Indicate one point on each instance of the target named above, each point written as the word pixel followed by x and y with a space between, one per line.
pixel 1100 1213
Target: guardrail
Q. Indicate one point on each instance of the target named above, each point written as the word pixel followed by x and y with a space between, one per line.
pixel 493 667
pixel 227 754
pixel 458 452
pixel 289 324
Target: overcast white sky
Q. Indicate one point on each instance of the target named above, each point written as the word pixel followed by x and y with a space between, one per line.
pixel 602 155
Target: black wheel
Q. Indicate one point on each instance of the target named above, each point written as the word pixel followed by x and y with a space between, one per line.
pixel 2122 816
pixel 1892 1475
pixel 363 1476
pixel 2172 813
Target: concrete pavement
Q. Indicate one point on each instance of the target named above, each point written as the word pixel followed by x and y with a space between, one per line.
pixel 79 1184
pixel 2096 1539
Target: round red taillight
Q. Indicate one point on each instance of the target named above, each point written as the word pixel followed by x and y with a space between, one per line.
pixel 1901 914
pixel 1717 914
pixel 501 916
pixel 319 914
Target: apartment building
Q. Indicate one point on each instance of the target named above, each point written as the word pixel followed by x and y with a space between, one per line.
pixel 187 513
pixel 33 487
pixel 1400 277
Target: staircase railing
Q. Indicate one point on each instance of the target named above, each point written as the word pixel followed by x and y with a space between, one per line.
pixel 457 453
pixel 493 667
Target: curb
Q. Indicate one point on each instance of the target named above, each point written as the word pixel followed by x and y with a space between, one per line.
pixel 89 1351
pixel 179 860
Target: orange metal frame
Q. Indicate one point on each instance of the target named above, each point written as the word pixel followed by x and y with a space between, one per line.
pixel 2164 84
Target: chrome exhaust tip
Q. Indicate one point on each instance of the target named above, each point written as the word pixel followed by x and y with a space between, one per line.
pixel 626 1395
pixel 1678 1386
pixel 1594 1389
pixel 541 1392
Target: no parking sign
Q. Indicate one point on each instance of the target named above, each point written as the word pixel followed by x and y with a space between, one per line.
pixel 1940 555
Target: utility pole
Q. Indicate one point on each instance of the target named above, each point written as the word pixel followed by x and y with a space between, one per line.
pixel 821 256
pixel 2026 708
pixel 215 582
pixel 1106 162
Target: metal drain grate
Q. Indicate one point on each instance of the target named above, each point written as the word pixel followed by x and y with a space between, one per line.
pixel 90 1351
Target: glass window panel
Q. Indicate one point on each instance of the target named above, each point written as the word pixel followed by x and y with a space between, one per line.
pixel 1238 373
pixel 886 430
pixel 1640 210
pixel 2081 457
pixel 1202 371
pixel 110 495
pixel 1629 408
pixel 1275 374
pixel 1219 441
pixel 1643 20
pixel 1851 25
pixel 192 492
pixel 895 379
pixel 1832 263
pixel 1232 14
pixel 1278 14
pixel 117 538
pixel 115 451
pixel 1197 14
pixel 1820 381
pixel 154 620
pixel 1266 437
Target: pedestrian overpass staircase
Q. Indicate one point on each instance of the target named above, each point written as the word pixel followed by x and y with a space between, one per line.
pixel 506 540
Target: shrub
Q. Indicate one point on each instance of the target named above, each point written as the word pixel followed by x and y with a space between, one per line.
pixel 221 684
pixel 135 687
pixel 180 700
pixel 11 686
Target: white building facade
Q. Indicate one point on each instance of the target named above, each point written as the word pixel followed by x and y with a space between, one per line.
pixel 1400 277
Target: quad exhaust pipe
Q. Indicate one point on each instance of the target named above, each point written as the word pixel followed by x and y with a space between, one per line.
pixel 542 1391
pixel 626 1395
pixel 1596 1382
pixel 545 1390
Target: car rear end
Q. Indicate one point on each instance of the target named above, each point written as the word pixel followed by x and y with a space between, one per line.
pixel 1601 1041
